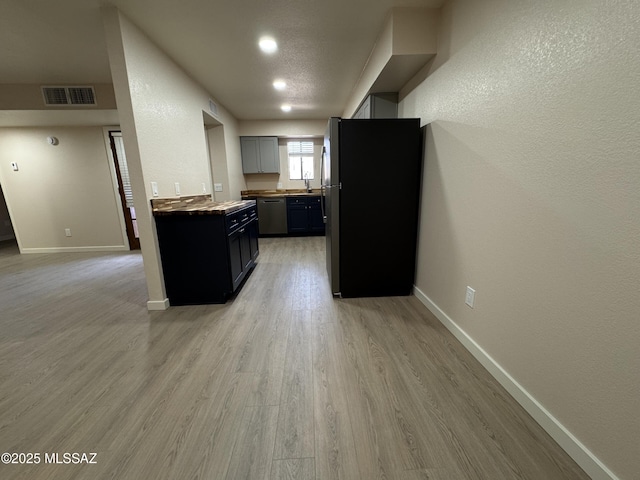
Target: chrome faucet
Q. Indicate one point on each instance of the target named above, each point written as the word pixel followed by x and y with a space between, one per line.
pixel 306 183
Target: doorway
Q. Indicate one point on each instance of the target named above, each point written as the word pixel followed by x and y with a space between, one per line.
pixel 215 145
pixel 8 241
pixel 124 188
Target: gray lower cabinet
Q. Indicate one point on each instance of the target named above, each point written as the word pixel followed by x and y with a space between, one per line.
pixel 260 154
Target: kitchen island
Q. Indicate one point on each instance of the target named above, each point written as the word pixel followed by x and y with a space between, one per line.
pixel 196 205
pixel 207 248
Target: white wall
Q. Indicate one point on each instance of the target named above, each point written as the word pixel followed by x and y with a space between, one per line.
pixel 531 195
pixel 283 128
pixel 161 110
pixel 218 157
pixel 237 181
pixel 68 185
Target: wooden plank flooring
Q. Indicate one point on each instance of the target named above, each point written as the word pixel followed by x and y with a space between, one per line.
pixel 282 382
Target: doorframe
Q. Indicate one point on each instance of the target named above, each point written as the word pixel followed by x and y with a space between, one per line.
pixel 3 198
pixel 116 185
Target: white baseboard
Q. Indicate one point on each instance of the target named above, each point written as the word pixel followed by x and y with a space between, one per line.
pixel 154 305
pixel 105 248
pixel 580 454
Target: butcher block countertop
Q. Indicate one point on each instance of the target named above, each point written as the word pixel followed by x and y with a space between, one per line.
pixel 315 192
pixel 196 205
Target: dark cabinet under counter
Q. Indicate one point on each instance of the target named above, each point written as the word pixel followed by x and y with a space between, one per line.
pixel 304 215
pixel 206 256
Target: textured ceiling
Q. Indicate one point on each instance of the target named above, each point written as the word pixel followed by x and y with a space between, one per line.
pixel 324 46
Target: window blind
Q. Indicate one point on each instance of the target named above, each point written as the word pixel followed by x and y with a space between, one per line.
pixel 300 148
pixel 300 160
pixel 124 170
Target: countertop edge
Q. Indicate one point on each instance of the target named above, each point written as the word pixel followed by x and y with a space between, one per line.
pixel 250 194
pixel 176 206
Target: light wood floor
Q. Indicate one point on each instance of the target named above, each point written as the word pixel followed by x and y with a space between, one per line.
pixel 283 382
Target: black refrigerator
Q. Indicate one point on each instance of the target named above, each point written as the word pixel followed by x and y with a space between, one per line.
pixel 371 173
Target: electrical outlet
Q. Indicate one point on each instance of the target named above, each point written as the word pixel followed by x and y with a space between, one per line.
pixel 154 188
pixel 67 232
pixel 204 188
pixel 470 297
pixel 217 187
pixel 177 185
pixel 279 186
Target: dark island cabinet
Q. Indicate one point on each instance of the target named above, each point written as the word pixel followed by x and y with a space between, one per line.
pixel 304 215
pixel 205 258
pixel 242 231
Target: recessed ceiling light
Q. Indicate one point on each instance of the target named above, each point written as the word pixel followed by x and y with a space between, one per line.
pixel 279 84
pixel 286 108
pixel 268 45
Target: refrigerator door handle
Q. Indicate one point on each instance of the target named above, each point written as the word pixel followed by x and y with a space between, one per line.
pixel 324 152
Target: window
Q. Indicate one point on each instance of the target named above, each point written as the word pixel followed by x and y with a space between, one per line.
pixel 300 160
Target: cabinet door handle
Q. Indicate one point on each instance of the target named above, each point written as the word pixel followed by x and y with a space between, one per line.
pixel 242 230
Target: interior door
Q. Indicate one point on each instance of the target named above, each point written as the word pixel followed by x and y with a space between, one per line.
pixel 124 189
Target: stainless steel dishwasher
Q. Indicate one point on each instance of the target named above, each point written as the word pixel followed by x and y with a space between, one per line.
pixel 272 216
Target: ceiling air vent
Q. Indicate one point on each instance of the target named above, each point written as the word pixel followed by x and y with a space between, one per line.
pixel 69 96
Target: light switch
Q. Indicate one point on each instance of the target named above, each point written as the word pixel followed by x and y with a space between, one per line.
pixel 154 188
pixel 14 165
pixel 177 185
pixel 470 297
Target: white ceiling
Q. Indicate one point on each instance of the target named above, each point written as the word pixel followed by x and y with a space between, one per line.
pixel 323 46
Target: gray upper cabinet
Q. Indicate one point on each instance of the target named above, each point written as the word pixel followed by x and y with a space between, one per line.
pixel 365 109
pixel 260 154
pixel 378 105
